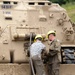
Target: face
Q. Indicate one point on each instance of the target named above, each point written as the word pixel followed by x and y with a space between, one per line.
pixel 50 37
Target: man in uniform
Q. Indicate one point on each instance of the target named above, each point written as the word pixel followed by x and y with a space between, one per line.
pixel 54 53
pixel 35 51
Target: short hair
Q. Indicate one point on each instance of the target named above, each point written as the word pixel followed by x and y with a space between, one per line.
pixel 39 38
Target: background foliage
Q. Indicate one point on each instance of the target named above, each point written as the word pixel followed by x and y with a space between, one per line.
pixel 69 5
pixel 62 1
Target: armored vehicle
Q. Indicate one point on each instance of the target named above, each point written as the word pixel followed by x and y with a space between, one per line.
pixel 19 18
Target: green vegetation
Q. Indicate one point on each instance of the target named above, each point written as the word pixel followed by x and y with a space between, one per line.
pixel 62 1
pixel 70 7
pixel 59 1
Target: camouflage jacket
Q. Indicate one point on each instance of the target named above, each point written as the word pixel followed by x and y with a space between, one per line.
pixel 55 45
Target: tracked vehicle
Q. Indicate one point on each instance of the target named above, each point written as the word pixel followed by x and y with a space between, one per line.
pixel 19 18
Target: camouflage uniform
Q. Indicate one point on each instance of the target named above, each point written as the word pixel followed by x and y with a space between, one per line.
pixel 54 57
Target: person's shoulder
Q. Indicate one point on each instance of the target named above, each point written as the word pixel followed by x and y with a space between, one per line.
pixel 33 44
pixel 57 43
pixel 57 40
pixel 43 44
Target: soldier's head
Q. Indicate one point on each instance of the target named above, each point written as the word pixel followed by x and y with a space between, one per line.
pixel 38 37
pixel 51 35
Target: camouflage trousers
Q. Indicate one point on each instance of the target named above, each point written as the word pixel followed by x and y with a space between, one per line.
pixel 38 65
pixel 53 65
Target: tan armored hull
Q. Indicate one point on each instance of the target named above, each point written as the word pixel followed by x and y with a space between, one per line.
pixel 19 18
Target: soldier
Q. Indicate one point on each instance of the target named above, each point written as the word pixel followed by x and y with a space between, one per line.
pixel 54 53
pixel 35 51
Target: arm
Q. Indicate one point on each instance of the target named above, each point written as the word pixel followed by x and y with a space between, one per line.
pixel 44 55
pixel 57 46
